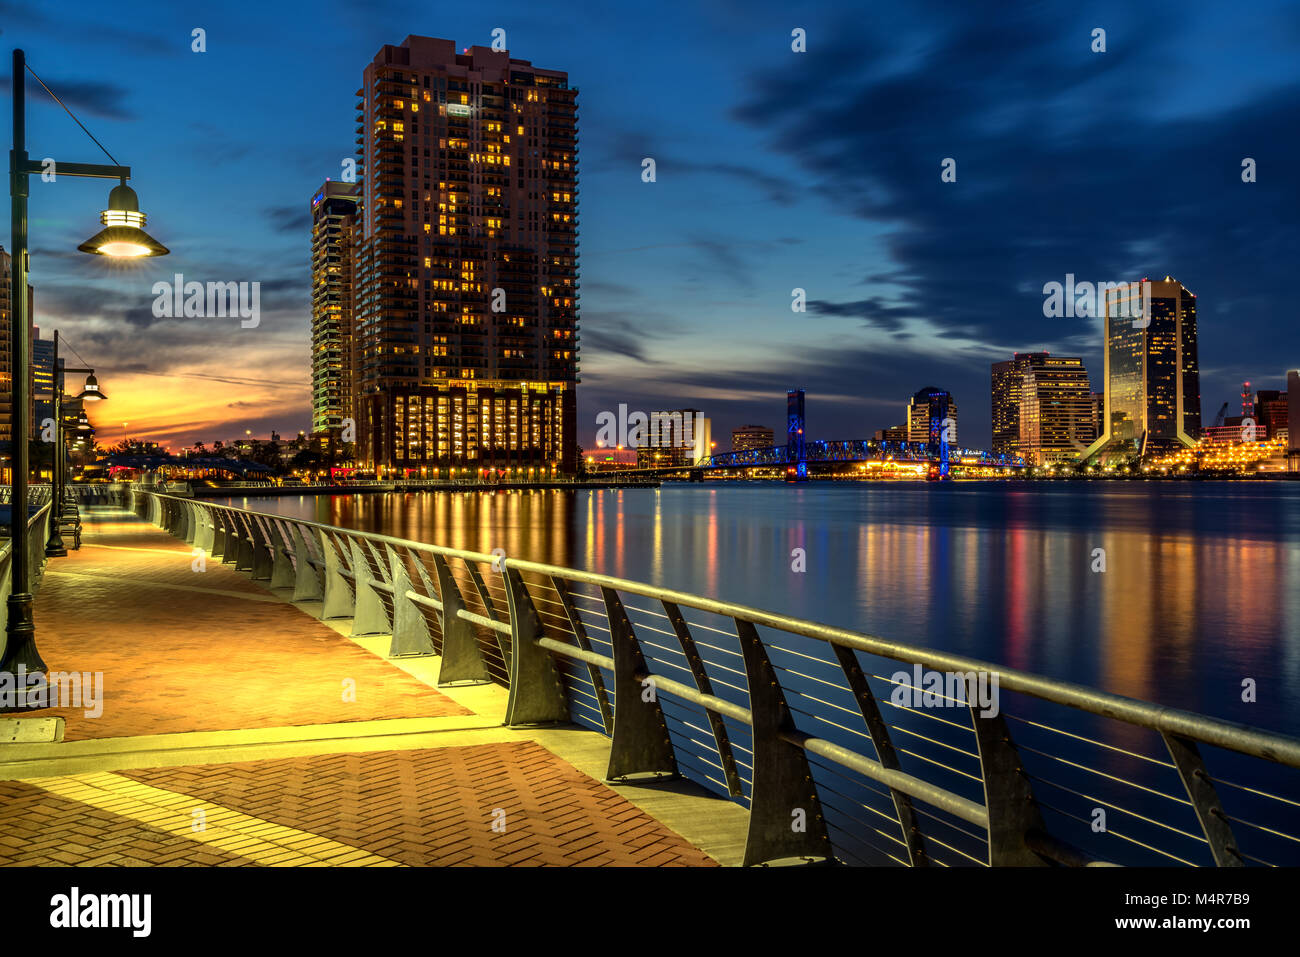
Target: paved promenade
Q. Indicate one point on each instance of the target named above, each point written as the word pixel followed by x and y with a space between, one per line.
pixel 236 729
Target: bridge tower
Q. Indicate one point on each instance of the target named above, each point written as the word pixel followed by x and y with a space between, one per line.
pixel 796 451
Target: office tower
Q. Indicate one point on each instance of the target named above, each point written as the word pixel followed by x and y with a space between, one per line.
pixel 895 433
pixel 1008 376
pixel 926 413
pixel 1152 376
pixel 333 212
pixel 1098 414
pixel 1056 411
pixel 465 262
pixel 751 437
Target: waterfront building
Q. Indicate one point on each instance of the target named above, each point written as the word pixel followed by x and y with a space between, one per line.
pixel 1293 416
pixel 749 437
pixel 926 413
pixel 333 214
pixel 42 379
pixel 1007 378
pixel 464 262
pixel 6 359
pixel 1056 411
pixel 895 433
pixel 675 437
pixel 1152 373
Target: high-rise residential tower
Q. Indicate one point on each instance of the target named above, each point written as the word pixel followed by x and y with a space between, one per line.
pixel 333 213
pixel 465 262
pixel 1152 374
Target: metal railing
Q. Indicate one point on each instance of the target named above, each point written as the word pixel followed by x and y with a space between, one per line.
pixel 804 724
pixel 38 531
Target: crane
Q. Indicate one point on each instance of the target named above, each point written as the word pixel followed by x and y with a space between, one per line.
pixel 1218 419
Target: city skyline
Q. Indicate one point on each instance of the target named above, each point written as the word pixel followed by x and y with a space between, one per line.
pixel 765 184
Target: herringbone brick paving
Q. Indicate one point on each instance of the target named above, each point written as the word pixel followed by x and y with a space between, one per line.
pixel 437 806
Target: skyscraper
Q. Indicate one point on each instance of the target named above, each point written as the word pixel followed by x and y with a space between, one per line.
pixel 1008 376
pixel 1056 413
pixel 926 413
pixel 751 437
pixel 333 213
pixel 465 261
pixel 1152 375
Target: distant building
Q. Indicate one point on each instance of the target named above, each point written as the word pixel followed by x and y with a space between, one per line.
pixel 333 212
pixel 1007 378
pixel 926 413
pixel 1271 411
pixel 1293 416
pixel 751 437
pixel 1098 414
pixel 1056 411
pixel 675 437
pixel 895 433
pixel 6 325
pixel 42 379
pixel 1152 372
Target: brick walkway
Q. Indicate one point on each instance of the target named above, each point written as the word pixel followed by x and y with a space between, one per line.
pixel 184 651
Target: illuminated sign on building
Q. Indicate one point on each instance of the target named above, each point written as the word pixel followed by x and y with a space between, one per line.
pixel 458 109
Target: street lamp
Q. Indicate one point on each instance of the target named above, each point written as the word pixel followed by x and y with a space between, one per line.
pixel 123 237
pixel 54 546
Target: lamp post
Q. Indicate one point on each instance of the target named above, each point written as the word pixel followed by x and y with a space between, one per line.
pixel 54 546
pixel 122 237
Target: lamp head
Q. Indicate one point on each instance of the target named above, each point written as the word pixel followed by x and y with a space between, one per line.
pixel 123 236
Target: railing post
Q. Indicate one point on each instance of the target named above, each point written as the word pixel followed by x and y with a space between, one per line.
pixel 1205 800
pixel 785 814
pixel 262 559
pixel 1008 797
pixel 885 752
pixel 205 538
pixel 462 659
pixel 369 617
pixel 702 683
pixel 640 743
pixel 536 694
pixel 244 556
pixel 281 565
pixel 410 630
pixel 306 581
pixel 338 598
pixel 220 539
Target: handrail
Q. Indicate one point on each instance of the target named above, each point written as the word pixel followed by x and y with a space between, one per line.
pixel 562 632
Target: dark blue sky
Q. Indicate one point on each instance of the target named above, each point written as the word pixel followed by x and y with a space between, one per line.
pixel 776 170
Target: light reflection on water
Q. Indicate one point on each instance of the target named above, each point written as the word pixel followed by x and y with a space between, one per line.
pixel 1201 588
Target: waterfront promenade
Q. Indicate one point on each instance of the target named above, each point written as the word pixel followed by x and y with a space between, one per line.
pixel 236 728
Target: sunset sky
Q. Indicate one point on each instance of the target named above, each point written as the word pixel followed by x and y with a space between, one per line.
pixel 775 170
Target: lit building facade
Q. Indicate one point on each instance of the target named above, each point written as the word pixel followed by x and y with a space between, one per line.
pixel 1152 371
pixel 6 360
pixel 675 437
pixel 464 262
pixel 749 437
pixel 333 213
pixel 1007 379
pixel 926 412
pixel 1056 411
